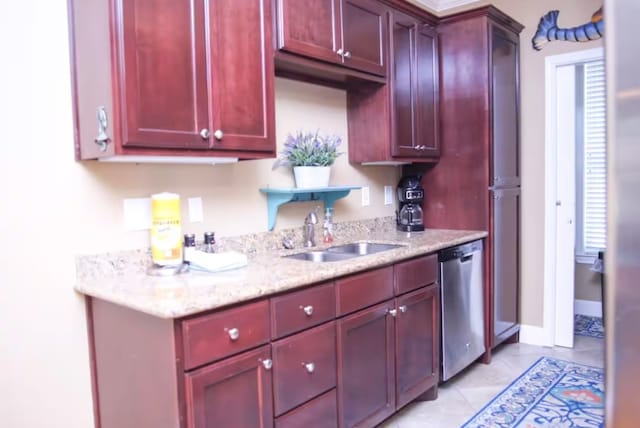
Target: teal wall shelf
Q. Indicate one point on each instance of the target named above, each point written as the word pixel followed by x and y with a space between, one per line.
pixel 278 196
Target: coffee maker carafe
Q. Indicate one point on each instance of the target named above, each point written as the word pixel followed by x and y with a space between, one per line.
pixel 410 195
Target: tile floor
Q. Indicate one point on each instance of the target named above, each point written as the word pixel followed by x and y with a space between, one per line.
pixel 471 390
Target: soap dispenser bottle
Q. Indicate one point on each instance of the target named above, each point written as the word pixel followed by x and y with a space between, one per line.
pixel 327 226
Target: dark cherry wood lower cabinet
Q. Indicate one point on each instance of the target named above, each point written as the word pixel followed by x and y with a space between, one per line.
pixel 321 412
pixel 235 392
pixel 417 343
pixel 366 378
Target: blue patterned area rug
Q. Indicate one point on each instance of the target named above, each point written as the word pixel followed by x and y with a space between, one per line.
pixel 588 326
pixel 551 393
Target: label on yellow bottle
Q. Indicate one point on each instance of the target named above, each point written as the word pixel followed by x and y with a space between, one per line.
pixel 166 229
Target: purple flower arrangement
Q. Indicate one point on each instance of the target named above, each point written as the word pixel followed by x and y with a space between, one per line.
pixel 309 149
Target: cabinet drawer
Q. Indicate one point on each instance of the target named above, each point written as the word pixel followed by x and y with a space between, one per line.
pixel 302 309
pixel 304 366
pixel 320 412
pixel 216 336
pixel 362 290
pixel 415 273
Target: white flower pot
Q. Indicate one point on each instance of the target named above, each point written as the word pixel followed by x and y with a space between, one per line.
pixel 311 176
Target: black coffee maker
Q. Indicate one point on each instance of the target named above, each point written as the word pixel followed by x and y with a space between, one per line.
pixel 410 193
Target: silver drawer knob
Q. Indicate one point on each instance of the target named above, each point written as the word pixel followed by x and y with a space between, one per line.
pixel 393 312
pixel 267 364
pixel 218 134
pixel 347 54
pixel 403 308
pixel 308 310
pixel 233 333
pixel 310 367
pixel 340 51
pixel 205 134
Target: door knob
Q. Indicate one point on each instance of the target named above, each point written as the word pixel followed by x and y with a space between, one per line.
pixel 267 364
pixel 233 333
pixel 340 52
pixel 308 310
pixel 347 54
pixel 310 367
pixel 218 134
pixel 205 134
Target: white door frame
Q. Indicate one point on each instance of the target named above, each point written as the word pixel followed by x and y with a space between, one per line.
pixel 555 297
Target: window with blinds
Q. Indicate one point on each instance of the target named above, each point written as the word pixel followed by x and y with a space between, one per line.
pixel 591 231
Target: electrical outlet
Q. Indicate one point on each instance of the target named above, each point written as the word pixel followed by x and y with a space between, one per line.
pixel 388 195
pixel 195 210
pixel 365 196
pixel 137 213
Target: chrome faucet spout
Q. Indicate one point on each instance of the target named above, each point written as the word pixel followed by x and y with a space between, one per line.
pixel 309 228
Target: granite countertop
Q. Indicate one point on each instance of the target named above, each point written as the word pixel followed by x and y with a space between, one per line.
pixel 267 273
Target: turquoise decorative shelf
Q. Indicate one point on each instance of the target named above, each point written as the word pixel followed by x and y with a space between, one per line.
pixel 278 196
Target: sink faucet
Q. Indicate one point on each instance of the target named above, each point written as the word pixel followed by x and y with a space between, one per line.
pixel 309 228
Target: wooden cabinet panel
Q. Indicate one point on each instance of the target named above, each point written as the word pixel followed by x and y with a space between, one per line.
pixel 417 343
pixel 505 227
pixel 211 337
pixel 427 92
pixel 310 28
pixel 364 33
pixel 504 98
pixel 321 412
pixel 163 73
pixel 366 376
pixel 242 94
pixel 304 366
pixel 415 273
pixel 302 309
pixel 364 289
pixel 232 393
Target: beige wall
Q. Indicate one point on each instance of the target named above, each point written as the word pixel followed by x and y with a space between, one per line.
pixel 587 283
pixel 55 208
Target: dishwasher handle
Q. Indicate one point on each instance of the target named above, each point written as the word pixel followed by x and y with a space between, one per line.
pixel 464 252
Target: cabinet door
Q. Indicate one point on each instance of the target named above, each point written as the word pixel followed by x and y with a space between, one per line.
pixel 427 95
pixel 242 75
pixel 506 214
pixel 232 393
pixel 417 343
pixel 364 35
pixel 366 375
pixel 504 97
pixel 162 73
pixel 310 28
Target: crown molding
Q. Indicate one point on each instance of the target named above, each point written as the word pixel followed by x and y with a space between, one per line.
pixel 440 5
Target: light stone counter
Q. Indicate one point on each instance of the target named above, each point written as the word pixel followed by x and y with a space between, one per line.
pixel 267 272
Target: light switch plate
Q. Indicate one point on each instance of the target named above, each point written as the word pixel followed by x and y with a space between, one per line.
pixel 365 196
pixel 195 210
pixel 388 195
pixel 137 213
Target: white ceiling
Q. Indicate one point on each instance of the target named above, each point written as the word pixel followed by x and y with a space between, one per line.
pixel 440 5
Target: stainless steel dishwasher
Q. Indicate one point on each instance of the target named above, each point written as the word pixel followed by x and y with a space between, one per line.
pixel 461 307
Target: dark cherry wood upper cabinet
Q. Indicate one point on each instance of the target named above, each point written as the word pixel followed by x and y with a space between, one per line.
pixel 399 122
pixel 417 343
pixel 173 78
pixel 233 393
pixel 366 376
pixel 352 33
pixel 414 89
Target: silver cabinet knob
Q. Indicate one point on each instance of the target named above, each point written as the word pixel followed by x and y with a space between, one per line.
pixel 205 134
pixel 393 312
pixel 403 308
pixel 233 333
pixel 347 54
pixel 308 310
pixel 218 134
pixel 310 367
pixel 340 52
pixel 267 364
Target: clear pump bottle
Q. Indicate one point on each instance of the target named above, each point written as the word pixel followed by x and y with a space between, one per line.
pixel 327 226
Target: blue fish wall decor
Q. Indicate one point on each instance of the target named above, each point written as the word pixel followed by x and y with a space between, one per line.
pixel 548 30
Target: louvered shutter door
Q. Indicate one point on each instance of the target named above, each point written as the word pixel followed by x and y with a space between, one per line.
pixel 594 172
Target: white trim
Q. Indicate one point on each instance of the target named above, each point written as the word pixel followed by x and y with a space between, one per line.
pixel 533 335
pixel 440 5
pixel 193 160
pixel 588 307
pixel 551 64
pixel 587 260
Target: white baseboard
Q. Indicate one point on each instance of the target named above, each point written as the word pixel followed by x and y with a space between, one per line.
pixel 533 335
pixel 588 307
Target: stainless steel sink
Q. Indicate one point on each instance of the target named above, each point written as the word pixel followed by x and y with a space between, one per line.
pixel 343 252
pixel 321 256
pixel 362 248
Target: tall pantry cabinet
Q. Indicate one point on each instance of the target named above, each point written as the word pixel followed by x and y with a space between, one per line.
pixel 476 183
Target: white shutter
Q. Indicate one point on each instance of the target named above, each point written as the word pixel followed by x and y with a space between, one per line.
pixel 594 171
